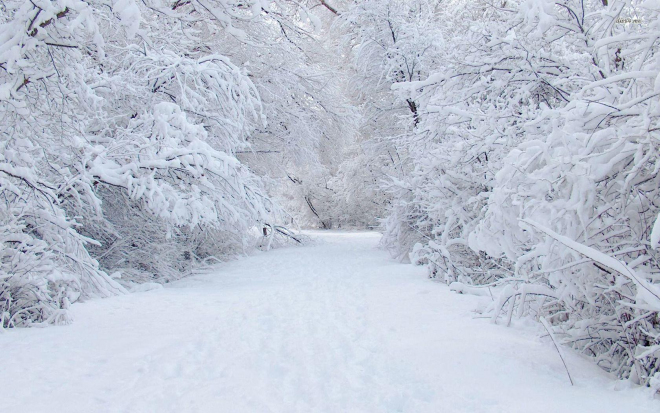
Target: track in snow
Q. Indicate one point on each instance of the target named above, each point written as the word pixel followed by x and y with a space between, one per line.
pixel 332 327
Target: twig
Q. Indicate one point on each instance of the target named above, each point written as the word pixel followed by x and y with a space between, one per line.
pixel 329 7
pixel 554 341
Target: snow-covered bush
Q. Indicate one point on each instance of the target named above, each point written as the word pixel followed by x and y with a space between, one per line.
pixel 532 164
pixel 120 124
pixel 588 172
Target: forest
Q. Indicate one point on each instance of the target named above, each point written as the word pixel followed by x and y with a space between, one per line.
pixel 510 147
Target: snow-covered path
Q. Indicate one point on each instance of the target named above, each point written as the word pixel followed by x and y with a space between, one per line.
pixel 331 327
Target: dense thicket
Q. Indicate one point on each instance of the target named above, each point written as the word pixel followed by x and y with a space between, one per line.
pixel 121 126
pixel 527 162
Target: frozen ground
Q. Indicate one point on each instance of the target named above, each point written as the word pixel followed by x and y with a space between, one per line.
pixel 333 327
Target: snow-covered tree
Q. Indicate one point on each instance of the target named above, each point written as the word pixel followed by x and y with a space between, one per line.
pixel 388 42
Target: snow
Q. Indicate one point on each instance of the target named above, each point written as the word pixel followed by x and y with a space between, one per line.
pixel 655 233
pixel 335 326
pixel 646 292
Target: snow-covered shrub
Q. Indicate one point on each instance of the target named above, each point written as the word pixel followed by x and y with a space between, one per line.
pixel 589 172
pixel 120 124
pixel 45 263
pixel 532 165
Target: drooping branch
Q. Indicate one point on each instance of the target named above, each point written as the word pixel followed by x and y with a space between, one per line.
pixel 311 207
